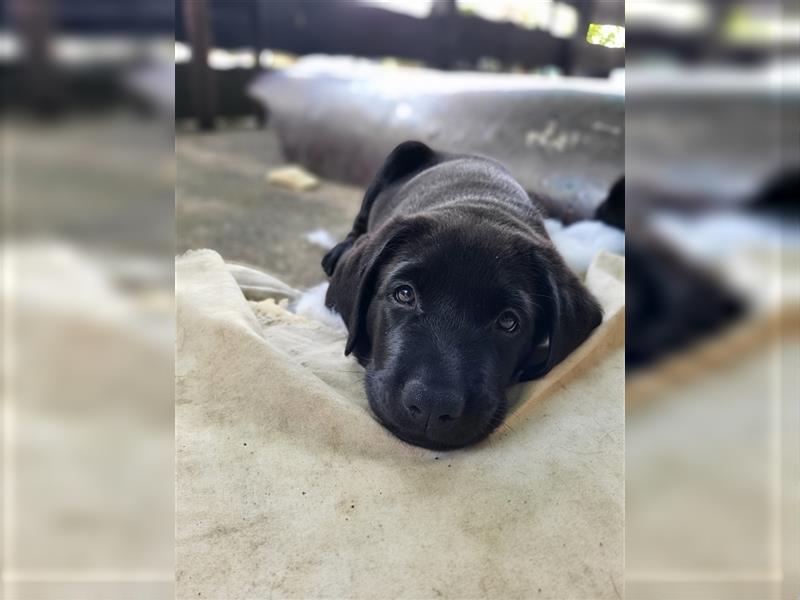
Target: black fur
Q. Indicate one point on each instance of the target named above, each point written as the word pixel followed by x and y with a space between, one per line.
pixel 612 210
pixel 462 233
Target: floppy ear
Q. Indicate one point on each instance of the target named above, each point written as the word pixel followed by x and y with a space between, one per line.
pixel 354 281
pixel 349 291
pixel 571 314
pixel 405 160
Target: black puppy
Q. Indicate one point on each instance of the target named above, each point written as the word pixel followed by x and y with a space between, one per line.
pixel 451 290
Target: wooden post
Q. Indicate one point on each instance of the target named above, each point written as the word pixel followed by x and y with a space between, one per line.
pixel 203 90
pixel 258 46
pixel 32 19
pixel 577 45
pixel 445 13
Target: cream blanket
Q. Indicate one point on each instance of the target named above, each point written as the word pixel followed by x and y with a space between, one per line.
pixel 288 488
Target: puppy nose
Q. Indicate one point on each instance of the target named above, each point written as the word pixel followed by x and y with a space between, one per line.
pixel 431 408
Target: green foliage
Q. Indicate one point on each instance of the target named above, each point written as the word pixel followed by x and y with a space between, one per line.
pixel 610 36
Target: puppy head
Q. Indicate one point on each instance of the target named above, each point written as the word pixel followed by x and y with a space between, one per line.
pixel 444 316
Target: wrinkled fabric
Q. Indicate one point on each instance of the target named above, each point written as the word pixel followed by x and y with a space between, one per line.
pixel 287 487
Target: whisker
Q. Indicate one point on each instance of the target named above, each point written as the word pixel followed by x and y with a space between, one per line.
pixel 507 427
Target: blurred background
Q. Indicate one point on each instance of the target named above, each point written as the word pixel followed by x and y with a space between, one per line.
pixel 327 89
pixel 88 175
pixel 712 299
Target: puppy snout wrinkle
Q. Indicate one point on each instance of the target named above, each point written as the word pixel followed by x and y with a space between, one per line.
pixel 431 409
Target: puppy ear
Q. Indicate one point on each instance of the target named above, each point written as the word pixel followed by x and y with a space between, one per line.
pixel 331 258
pixel 407 159
pixel 571 314
pixel 355 279
pixel 349 289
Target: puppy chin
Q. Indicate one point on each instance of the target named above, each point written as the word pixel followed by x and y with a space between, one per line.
pixel 425 442
pixel 434 444
pixel 450 440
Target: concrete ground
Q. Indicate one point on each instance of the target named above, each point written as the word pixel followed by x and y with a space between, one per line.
pixel 224 202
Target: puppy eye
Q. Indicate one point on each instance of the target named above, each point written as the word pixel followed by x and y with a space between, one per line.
pixel 508 321
pixel 405 295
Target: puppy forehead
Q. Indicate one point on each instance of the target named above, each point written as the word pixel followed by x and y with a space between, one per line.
pixel 476 271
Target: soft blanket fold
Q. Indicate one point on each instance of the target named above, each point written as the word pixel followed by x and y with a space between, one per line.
pixel 288 488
